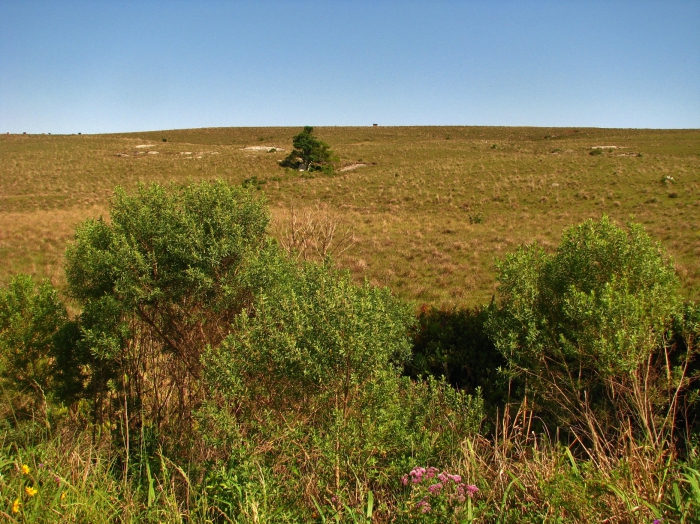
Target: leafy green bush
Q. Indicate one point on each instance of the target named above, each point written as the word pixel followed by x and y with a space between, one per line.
pixel 254 182
pixel 158 283
pixel 283 382
pixel 588 327
pixel 311 375
pixel 30 319
pixel 476 218
pixel 686 338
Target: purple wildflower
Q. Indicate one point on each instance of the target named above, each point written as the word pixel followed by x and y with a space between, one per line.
pixel 471 490
pixel 417 474
pixel 424 505
pixel 431 472
pixel 435 488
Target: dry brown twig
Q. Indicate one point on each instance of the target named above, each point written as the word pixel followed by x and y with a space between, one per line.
pixel 315 233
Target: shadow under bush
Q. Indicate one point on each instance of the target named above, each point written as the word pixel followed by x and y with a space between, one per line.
pixel 454 344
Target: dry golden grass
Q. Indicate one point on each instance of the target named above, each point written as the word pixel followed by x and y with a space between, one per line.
pixel 34 241
pixel 413 207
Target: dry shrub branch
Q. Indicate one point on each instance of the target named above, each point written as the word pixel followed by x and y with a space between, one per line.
pixel 315 233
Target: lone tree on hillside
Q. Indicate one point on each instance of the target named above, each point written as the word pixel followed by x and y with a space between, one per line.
pixel 309 153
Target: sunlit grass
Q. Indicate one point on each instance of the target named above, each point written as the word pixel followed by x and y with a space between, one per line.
pixel 410 206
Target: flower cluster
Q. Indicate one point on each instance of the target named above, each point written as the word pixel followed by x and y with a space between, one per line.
pixel 30 484
pixel 29 490
pixel 446 486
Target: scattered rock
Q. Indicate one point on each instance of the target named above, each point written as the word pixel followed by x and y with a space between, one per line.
pixel 352 166
pixel 269 149
pixel 153 153
pixel 144 145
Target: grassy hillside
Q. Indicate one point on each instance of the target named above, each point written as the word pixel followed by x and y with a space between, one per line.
pixel 430 209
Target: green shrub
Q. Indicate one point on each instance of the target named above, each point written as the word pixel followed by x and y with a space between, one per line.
pixel 686 338
pixel 476 218
pixel 588 327
pixel 30 319
pixel 158 283
pixel 309 153
pixel 455 344
pixel 254 182
pixel 310 375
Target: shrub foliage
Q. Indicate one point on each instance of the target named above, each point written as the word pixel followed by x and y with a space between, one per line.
pixel 588 327
pixel 158 283
pixel 309 153
pixel 30 320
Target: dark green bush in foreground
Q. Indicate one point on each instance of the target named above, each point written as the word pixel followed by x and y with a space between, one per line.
pixel 158 283
pixel 590 329
pixel 30 321
pixel 310 377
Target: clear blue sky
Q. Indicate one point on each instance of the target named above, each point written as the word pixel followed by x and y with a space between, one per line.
pixel 107 66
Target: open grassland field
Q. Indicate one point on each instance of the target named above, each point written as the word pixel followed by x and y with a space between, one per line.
pixel 431 208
